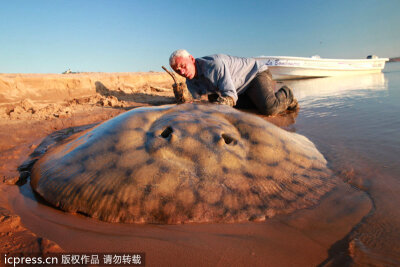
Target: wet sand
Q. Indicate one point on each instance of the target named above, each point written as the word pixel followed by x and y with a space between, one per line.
pixel 302 239
pixel 340 230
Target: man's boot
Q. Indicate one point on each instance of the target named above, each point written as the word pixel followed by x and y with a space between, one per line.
pixel 290 101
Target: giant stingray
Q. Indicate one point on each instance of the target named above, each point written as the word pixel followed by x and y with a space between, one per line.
pixel 180 164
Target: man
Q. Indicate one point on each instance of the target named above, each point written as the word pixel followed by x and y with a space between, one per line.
pixel 227 79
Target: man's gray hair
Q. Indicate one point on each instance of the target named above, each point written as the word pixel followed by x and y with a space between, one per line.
pixel 178 53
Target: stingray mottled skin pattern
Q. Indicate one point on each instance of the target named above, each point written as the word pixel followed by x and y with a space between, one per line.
pixel 183 164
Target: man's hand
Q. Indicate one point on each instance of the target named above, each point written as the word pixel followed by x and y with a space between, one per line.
pixel 225 100
pixel 181 93
pixel 222 100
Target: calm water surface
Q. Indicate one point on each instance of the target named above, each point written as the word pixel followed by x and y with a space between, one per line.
pixel 355 123
pixel 360 112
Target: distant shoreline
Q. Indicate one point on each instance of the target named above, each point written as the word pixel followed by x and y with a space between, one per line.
pixel 394 59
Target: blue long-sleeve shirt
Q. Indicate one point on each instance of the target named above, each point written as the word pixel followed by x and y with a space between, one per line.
pixel 225 74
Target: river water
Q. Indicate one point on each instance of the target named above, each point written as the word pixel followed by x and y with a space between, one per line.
pixel 354 121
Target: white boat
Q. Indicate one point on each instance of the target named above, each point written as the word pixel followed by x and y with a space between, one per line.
pixel 287 68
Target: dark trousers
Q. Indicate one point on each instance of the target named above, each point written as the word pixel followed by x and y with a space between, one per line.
pixel 262 95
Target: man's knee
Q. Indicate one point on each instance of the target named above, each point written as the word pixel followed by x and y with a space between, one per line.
pixel 275 105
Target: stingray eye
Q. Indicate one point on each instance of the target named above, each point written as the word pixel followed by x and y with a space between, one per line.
pixel 167 132
pixel 229 140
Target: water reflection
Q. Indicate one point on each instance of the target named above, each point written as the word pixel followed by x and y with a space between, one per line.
pixel 338 86
pixel 334 91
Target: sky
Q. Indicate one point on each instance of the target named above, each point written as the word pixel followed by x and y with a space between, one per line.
pixel 51 36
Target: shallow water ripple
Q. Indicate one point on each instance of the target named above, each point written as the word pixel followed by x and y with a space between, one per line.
pixel 358 130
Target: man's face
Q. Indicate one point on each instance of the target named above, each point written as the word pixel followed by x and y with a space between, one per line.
pixel 185 67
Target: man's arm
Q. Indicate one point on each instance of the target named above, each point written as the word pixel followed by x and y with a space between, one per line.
pixel 223 80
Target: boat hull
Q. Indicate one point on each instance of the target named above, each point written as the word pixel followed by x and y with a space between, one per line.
pixel 289 73
pixel 286 68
